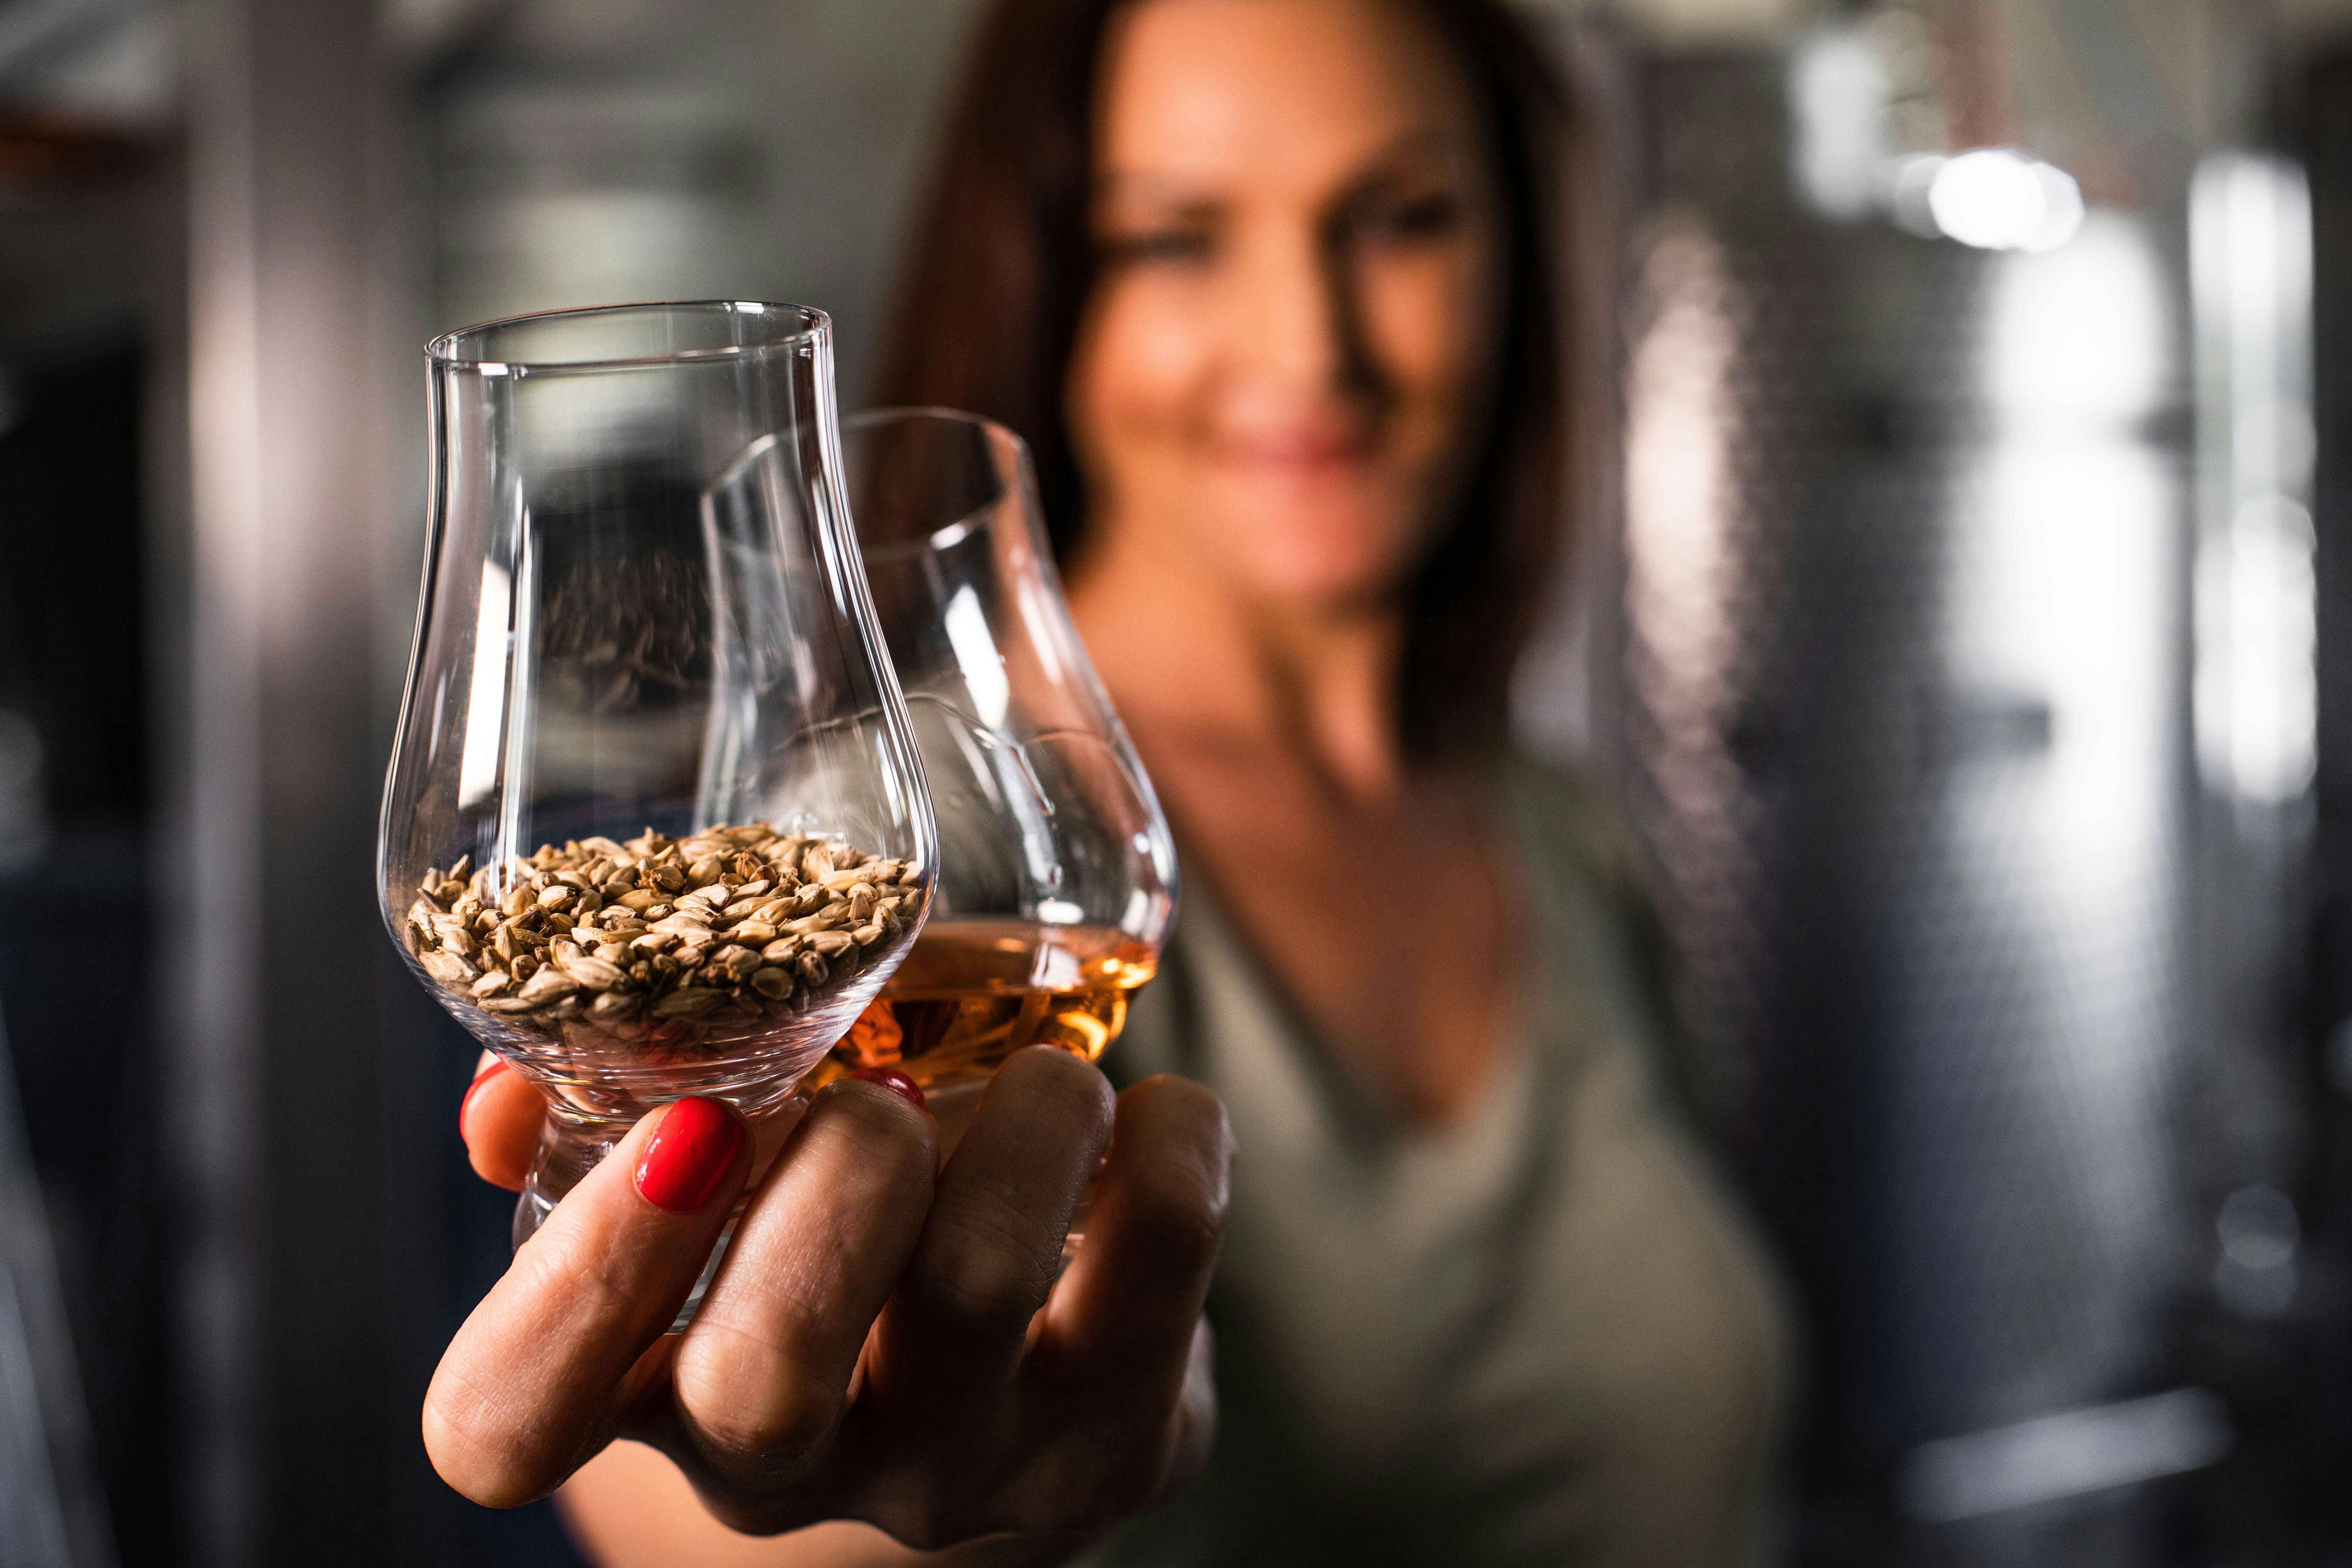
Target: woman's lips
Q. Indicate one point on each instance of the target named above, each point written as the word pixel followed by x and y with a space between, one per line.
pixel 1296 451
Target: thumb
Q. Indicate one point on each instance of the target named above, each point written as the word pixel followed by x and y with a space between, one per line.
pixel 499 1120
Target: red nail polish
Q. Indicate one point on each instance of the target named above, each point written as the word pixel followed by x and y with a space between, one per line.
pixel 689 1153
pixel 481 1079
pixel 897 1083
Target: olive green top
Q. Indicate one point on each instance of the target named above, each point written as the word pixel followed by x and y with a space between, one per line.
pixel 1542 1336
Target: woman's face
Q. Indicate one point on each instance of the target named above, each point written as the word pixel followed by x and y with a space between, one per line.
pixel 1291 339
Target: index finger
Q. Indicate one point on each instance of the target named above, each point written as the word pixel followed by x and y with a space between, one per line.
pixel 530 1388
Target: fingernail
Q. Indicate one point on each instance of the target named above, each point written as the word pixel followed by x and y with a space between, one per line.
pixel 897 1083
pixel 689 1154
pixel 481 1079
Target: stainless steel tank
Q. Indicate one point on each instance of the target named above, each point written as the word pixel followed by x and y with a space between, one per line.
pixel 1904 696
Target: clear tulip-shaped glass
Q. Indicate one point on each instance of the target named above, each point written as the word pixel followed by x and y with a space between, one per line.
pixel 656 823
pixel 1057 879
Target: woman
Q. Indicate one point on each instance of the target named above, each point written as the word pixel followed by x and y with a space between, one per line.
pixel 1268 286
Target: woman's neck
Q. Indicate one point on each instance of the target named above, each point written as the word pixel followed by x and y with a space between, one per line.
pixel 1272 735
pixel 1189 658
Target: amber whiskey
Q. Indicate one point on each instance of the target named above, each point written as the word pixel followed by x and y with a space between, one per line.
pixel 972 992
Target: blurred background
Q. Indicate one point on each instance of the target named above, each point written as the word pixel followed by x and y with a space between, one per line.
pixel 1966 621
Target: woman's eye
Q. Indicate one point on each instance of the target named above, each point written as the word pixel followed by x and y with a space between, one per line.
pixel 1159 248
pixel 1394 220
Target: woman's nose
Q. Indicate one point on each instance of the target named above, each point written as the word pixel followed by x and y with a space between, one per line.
pixel 1297 325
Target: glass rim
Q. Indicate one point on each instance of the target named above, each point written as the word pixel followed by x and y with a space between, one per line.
pixel 948 536
pixel 444 351
pixel 910 412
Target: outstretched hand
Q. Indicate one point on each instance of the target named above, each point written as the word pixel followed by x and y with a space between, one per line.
pixel 885 1339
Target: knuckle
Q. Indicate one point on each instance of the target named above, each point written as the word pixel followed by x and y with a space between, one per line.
pixel 919 1530
pixel 1100 1479
pixel 751 1402
pixel 1174 1222
pixel 922 1520
pixel 917 1505
pixel 978 1261
pixel 564 1261
pixel 1067 1084
pixel 774 1437
pixel 760 1512
pixel 493 1431
pixel 478 1455
pixel 872 1118
pixel 1191 1110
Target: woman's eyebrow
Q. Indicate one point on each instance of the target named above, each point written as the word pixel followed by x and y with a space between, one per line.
pixel 1182 202
pixel 1155 186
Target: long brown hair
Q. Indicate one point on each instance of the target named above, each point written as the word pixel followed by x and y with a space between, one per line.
pixel 1000 261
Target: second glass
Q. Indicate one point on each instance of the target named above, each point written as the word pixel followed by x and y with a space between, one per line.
pixel 1057 880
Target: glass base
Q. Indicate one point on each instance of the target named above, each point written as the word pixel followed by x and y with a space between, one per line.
pixel 568 1151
